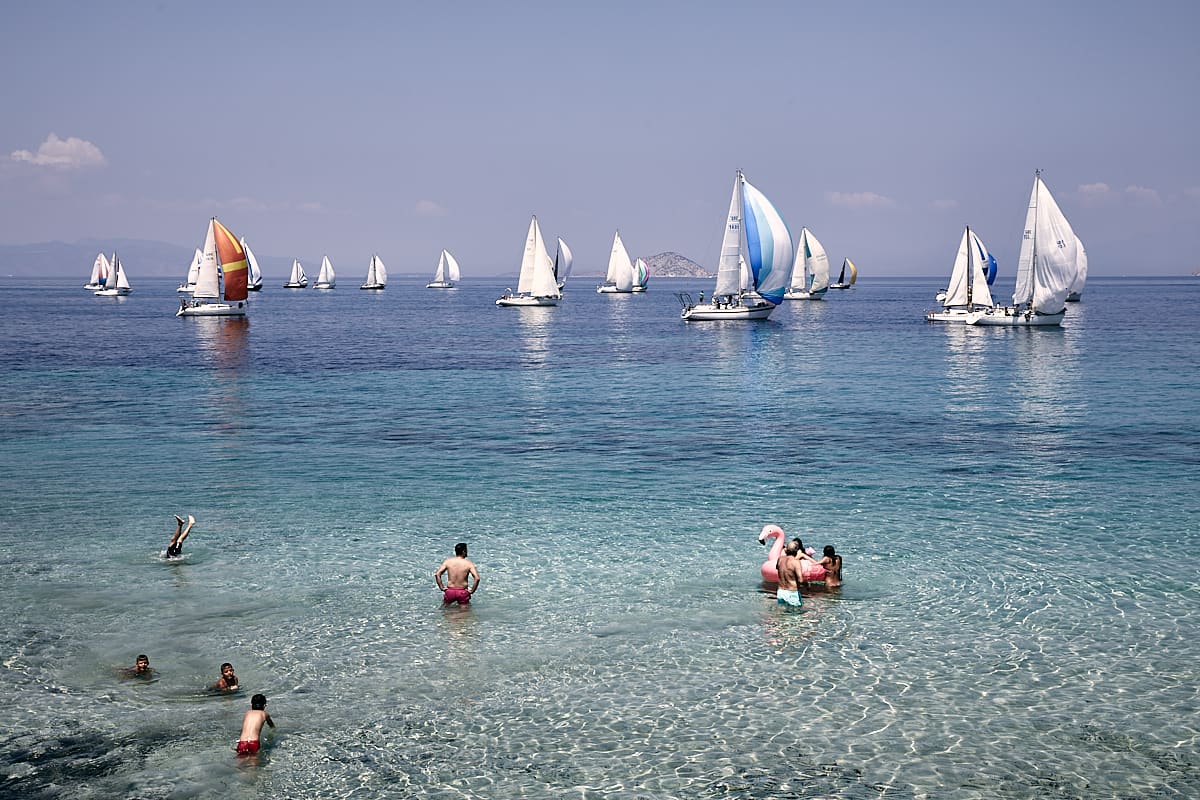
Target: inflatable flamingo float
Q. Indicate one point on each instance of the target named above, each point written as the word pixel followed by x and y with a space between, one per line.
pixel 811 570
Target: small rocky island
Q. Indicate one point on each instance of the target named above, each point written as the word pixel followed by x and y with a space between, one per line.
pixel 673 265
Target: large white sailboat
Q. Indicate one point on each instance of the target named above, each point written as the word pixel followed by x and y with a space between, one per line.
pixel 537 284
pixel 297 279
pixel 810 272
pixel 101 268
pixel 326 278
pixel 968 289
pixel 224 262
pixel 376 274
pixel 1045 267
pixel 117 284
pixel 447 272
pixel 619 278
pixel 756 259
pixel 189 283
pixel 254 281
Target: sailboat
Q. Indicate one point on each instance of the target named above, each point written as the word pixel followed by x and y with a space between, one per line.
pixel 537 284
pixel 810 272
pixel 189 283
pixel 619 277
pixel 755 260
pixel 254 281
pixel 563 261
pixel 224 261
pixel 1076 290
pixel 641 275
pixel 117 284
pixel 968 291
pixel 1045 267
pixel 447 272
pixel 376 274
pixel 841 282
pixel 101 268
pixel 297 279
pixel 990 269
pixel 326 279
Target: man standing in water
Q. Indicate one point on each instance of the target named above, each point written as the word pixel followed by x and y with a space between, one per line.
pixel 788 566
pixel 458 571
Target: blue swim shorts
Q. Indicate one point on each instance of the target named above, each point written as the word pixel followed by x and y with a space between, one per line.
pixel 788 597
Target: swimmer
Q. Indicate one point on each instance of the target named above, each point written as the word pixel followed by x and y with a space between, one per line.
pixel 790 577
pixel 228 681
pixel 252 725
pixel 458 571
pixel 832 563
pixel 175 546
pixel 140 669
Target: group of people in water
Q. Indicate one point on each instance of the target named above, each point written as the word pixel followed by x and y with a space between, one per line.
pixel 253 720
pixel 790 567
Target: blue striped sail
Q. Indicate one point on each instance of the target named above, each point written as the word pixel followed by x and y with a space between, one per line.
pixel 768 244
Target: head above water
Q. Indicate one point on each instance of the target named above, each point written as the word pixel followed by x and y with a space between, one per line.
pixel 141 662
pixel 258 702
pixel 460 549
pixel 793 547
pixel 829 551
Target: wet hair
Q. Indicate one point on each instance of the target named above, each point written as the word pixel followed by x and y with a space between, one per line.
pixel 226 664
pixel 829 551
pixel 142 657
pixel 460 549
pixel 792 547
pixel 258 702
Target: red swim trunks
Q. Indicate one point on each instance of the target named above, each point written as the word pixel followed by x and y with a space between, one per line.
pixel 247 748
pixel 456 595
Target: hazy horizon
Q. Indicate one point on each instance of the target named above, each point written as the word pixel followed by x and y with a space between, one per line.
pixel 405 128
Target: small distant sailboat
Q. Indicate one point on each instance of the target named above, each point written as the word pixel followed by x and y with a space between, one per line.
pixel 224 262
pixel 968 291
pixel 117 284
pixel 619 278
pixel 1076 290
pixel 376 274
pixel 810 272
pixel 254 281
pixel 326 279
pixel 537 285
pixel 641 275
pixel 447 272
pixel 189 283
pixel 101 268
pixel 755 260
pixel 297 279
pixel 563 261
pixel 1046 267
pixel 841 282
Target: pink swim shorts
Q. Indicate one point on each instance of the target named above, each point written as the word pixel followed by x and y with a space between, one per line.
pixel 456 595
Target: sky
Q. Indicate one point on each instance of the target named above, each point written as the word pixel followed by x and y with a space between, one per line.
pixel 403 128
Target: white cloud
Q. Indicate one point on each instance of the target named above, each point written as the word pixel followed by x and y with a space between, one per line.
pixel 62 154
pixel 1143 196
pixel 1096 194
pixel 859 200
pixel 428 208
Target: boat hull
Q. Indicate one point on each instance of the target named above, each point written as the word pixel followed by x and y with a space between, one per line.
pixel 707 312
pixel 608 288
pixel 113 292
pixel 1008 317
pixel 186 288
pixel 213 310
pixel 639 289
pixel 803 294
pixel 839 286
pixel 526 300
pixel 295 285
pixel 324 286
pixel 439 285
pixel 373 286
pixel 951 315
pixel 257 288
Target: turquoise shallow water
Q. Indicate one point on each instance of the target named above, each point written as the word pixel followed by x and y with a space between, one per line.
pixel 1016 509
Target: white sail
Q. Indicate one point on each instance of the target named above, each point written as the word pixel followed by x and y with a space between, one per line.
pixel 1081 269
pixel 194 269
pixel 208 282
pixel 563 261
pixel 968 278
pixel 730 267
pixel 620 267
pixel 119 272
pixel 326 278
pixel 452 271
pixel 254 279
pixel 641 275
pixel 297 277
pixel 1055 252
pixel 376 274
pixel 810 271
pixel 100 271
pixel 537 270
pixel 447 270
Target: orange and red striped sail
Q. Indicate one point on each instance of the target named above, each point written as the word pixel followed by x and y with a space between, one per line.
pixel 233 262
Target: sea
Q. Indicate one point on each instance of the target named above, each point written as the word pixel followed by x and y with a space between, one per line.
pixel 1017 509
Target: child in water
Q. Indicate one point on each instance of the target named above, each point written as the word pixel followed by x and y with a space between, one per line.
pixel 832 563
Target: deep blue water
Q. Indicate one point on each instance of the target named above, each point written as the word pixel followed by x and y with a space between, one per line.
pixel 1017 511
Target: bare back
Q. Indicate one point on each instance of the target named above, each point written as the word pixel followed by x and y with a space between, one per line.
pixel 252 724
pixel 788 568
pixel 458 571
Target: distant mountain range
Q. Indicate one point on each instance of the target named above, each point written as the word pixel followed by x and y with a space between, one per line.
pixel 151 259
